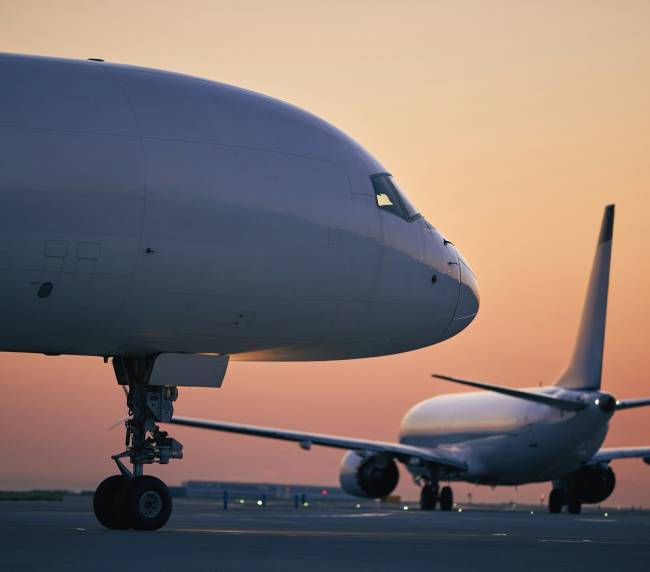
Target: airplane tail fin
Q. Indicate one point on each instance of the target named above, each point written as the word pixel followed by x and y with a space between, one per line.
pixel 584 370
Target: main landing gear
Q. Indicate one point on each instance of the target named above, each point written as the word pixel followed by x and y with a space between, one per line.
pixel 431 494
pixel 562 496
pixel 132 499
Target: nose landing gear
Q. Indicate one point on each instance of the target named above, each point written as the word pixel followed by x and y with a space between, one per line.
pixel 131 499
pixel 142 503
pixel 109 502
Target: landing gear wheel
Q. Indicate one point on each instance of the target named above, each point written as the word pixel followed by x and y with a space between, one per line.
pixel 555 501
pixel 144 503
pixel 428 497
pixel 573 505
pixel 148 503
pixel 446 498
pixel 109 503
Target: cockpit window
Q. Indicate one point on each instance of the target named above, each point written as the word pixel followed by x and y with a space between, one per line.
pixel 391 198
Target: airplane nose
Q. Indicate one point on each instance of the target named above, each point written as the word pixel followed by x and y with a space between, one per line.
pixel 468 300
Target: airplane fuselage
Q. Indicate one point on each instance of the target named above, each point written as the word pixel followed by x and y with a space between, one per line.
pixel 507 441
pixel 144 212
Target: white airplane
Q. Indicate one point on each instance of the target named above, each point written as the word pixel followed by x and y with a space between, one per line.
pixel 171 222
pixel 506 437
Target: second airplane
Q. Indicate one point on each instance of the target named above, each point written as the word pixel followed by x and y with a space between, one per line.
pixel 505 437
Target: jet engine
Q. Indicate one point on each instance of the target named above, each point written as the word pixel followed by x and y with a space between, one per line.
pixel 371 476
pixel 592 484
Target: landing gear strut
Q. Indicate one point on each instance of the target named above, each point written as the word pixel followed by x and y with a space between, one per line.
pixel 132 499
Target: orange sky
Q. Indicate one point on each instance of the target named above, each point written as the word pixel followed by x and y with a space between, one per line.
pixel 510 125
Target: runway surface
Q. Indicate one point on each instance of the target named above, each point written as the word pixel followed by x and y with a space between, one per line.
pixel 201 536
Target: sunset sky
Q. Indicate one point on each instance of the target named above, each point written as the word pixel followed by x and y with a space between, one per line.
pixel 509 124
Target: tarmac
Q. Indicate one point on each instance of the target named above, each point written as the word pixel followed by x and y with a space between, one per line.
pixel 52 536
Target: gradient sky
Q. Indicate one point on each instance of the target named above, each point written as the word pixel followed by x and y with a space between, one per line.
pixel 509 124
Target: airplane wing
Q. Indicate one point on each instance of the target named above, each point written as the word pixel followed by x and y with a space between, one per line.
pixel 607 455
pixel 549 400
pixel 629 403
pixel 404 453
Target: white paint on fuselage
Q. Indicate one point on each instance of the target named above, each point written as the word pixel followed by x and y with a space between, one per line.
pixel 505 440
pixel 220 221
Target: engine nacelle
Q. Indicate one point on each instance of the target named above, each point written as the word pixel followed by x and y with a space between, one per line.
pixel 592 484
pixel 370 476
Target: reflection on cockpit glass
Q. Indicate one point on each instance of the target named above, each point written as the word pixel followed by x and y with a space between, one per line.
pixel 391 198
pixel 383 200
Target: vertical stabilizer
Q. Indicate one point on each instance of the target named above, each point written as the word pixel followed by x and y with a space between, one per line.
pixel 586 365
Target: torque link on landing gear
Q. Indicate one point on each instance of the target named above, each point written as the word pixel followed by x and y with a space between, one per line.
pixel 131 499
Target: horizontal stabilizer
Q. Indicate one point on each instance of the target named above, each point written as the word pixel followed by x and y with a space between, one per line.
pixel 557 402
pixel 630 403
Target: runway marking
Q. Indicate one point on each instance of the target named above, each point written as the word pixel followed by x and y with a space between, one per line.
pixel 566 541
pixel 331 534
pixel 594 520
pixel 599 541
pixel 360 515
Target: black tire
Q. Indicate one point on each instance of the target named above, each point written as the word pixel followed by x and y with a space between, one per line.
pixel 446 498
pixel 428 498
pixel 574 506
pixel 149 503
pixel 555 501
pixel 109 503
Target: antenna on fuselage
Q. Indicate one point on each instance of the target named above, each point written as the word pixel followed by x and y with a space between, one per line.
pixel 585 368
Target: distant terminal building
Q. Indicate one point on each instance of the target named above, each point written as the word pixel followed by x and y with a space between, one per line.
pixel 271 491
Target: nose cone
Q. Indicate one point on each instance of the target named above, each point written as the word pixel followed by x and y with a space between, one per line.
pixel 468 301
